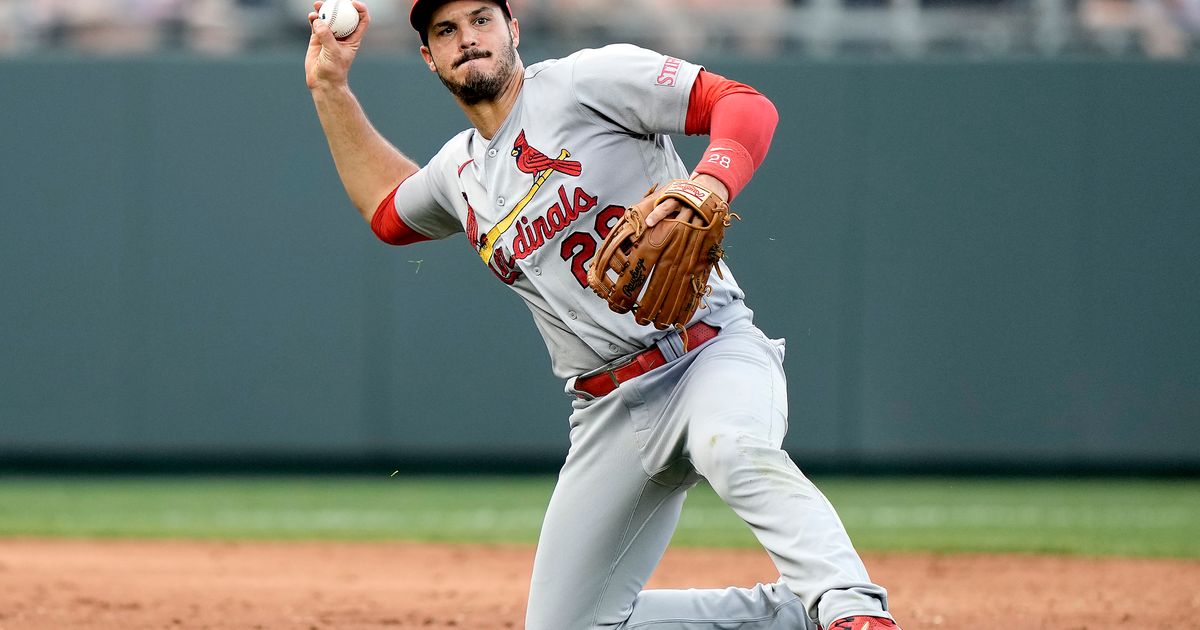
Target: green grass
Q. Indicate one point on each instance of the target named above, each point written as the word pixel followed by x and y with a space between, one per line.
pixel 1094 517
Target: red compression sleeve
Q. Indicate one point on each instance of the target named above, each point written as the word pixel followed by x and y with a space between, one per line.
pixel 389 228
pixel 740 121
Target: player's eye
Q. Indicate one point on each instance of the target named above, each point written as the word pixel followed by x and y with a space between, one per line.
pixel 480 21
pixel 444 31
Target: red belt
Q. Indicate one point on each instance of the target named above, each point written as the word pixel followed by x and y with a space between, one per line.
pixel 603 383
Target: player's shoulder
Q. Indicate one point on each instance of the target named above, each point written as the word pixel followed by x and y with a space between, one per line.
pixel 550 67
pixel 603 59
pixel 457 144
pixel 620 50
pixel 453 152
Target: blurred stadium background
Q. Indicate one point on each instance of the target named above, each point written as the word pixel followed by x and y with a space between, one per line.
pixel 761 28
pixel 977 229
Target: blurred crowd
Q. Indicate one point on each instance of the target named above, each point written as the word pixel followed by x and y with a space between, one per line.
pixel 1155 28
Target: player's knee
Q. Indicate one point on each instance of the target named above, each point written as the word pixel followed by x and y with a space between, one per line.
pixel 724 458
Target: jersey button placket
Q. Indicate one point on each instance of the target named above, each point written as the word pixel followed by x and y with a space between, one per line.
pixel 492 153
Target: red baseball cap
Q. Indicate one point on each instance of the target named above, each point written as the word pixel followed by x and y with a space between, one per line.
pixel 423 9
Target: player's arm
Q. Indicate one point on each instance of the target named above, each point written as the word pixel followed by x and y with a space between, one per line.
pixel 740 121
pixel 369 166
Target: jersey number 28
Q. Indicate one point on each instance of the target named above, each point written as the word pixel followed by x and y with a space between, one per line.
pixel 579 247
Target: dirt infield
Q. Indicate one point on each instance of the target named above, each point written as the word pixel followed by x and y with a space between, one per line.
pixel 177 584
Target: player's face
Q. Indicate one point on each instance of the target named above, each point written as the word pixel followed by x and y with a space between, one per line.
pixel 472 48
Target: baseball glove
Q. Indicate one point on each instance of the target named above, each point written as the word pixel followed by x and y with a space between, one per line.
pixel 661 273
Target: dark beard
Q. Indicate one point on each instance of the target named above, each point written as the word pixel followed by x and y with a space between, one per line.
pixel 479 87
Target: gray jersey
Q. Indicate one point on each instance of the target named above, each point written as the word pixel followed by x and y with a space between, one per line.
pixel 586 137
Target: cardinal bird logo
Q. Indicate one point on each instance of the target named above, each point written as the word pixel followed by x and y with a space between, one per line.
pixel 536 163
pixel 532 161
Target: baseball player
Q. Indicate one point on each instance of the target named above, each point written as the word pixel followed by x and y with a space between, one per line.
pixel 553 155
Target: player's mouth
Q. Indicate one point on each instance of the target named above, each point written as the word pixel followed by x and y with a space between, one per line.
pixel 472 55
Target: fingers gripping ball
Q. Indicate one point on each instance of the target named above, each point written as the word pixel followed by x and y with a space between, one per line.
pixel 341 16
pixel 661 273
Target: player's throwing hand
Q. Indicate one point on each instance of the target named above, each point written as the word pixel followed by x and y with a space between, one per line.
pixel 328 60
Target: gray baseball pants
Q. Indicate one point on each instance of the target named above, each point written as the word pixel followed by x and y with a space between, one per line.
pixel 718 412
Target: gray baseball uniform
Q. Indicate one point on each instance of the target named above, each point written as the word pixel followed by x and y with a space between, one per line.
pixel 586 137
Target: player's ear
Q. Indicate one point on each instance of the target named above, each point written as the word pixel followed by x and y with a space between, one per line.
pixel 515 30
pixel 428 58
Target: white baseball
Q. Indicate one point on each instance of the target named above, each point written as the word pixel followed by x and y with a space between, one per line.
pixel 340 15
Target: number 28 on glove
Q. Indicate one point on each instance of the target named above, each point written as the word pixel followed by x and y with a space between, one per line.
pixel 661 273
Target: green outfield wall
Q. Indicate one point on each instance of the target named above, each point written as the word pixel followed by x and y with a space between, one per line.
pixel 974 263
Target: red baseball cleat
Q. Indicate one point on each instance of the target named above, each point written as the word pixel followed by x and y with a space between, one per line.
pixel 860 622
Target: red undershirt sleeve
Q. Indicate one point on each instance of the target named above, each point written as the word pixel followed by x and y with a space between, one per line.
pixel 388 226
pixel 740 121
